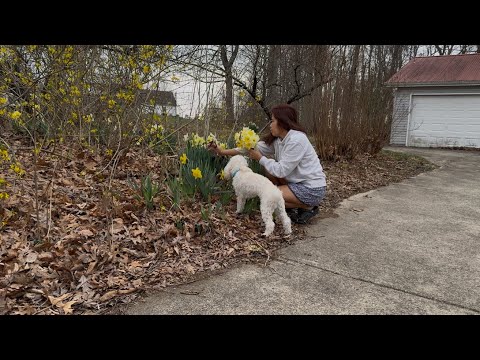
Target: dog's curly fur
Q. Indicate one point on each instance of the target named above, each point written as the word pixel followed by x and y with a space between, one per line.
pixel 248 184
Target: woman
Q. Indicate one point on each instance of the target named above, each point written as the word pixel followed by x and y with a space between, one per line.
pixel 295 167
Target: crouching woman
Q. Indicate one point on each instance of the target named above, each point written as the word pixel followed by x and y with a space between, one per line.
pixel 291 163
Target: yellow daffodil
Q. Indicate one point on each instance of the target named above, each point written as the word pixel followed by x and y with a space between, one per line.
pixel 4 155
pixel 183 158
pixel 17 169
pixel 87 118
pixel 197 173
pixel 15 115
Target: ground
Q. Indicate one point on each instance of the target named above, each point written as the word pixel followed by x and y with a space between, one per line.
pixel 96 246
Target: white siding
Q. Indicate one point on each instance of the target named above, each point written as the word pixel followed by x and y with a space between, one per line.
pixel 401 105
pixel 170 110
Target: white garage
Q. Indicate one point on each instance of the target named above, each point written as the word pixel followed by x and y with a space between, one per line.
pixel 444 121
pixel 437 102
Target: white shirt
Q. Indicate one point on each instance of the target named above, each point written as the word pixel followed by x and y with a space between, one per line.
pixel 295 160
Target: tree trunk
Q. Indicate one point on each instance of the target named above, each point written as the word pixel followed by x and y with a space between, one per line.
pixel 227 65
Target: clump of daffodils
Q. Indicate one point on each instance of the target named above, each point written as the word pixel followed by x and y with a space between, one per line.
pixel 211 139
pixel 197 141
pixel 246 138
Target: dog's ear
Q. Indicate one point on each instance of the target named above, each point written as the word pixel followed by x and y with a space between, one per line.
pixel 226 171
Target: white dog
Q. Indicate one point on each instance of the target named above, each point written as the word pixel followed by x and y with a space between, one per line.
pixel 248 184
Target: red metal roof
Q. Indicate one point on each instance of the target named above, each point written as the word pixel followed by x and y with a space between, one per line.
pixel 439 70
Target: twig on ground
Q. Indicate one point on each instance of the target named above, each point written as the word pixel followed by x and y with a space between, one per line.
pixel 266 251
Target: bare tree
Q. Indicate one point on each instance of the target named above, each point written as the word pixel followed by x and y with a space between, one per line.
pixel 227 65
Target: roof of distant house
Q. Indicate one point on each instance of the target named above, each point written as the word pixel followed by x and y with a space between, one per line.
pixel 162 98
pixel 439 70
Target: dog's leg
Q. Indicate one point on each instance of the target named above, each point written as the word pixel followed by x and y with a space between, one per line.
pixel 241 200
pixel 285 219
pixel 267 211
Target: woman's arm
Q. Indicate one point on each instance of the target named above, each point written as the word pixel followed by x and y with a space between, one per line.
pixel 265 150
pixel 222 152
pixel 293 153
pixel 227 152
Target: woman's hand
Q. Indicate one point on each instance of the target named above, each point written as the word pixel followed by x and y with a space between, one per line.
pixel 254 154
pixel 212 146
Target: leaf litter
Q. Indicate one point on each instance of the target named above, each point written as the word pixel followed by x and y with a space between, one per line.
pixel 92 246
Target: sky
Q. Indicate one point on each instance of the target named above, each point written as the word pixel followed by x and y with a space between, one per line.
pixel 191 97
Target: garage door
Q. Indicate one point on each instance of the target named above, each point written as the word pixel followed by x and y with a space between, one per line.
pixel 445 121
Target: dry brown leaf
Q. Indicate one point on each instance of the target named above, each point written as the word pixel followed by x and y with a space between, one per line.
pixel 137 240
pixel 135 264
pixel 85 232
pixel 139 231
pixel 45 256
pixel 55 301
pixel 72 225
pixel 190 269
pixel 11 254
pixel 25 310
pixel 117 228
pixel 134 216
pixel 23 277
pixel 67 307
pixel 66 182
pixel 108 295
pixel 126 291
pixel 91 266
pixel 31 257
pixel 90 165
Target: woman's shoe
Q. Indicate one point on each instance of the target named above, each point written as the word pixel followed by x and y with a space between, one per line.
pixel 305 215
pixel 292 214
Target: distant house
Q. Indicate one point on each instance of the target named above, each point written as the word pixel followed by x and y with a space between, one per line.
pixel 161 102
pixel 437 102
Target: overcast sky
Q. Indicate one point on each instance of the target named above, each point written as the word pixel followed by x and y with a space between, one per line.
pixel 191 97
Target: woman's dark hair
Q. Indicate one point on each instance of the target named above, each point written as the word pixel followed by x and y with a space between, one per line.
pixel 287 118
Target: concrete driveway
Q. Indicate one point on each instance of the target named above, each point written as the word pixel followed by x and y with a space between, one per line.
pixel 407 248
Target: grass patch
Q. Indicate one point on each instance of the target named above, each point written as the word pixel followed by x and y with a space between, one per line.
pixel 410 158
